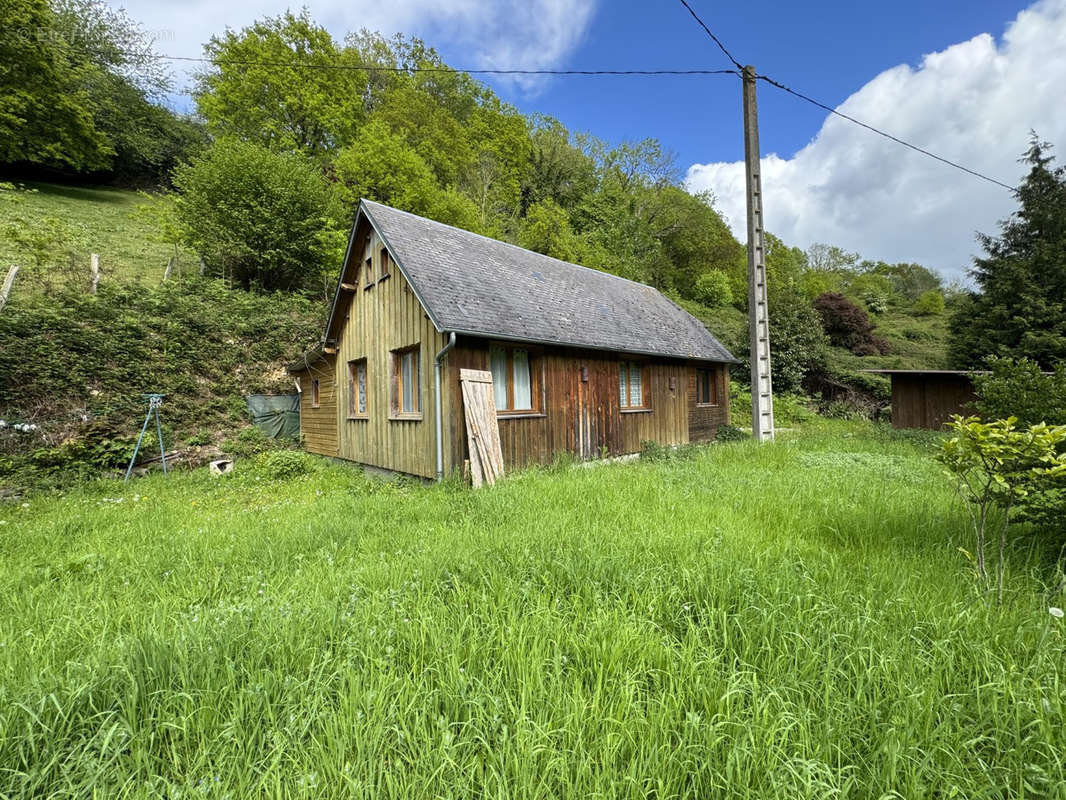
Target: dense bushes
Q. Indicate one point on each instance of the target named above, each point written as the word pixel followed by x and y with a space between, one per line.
pixel 77 365
pixel 261 219
pixel 848 326
pixel 1022 390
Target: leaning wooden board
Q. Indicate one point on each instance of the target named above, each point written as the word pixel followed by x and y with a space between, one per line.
pixel 482 429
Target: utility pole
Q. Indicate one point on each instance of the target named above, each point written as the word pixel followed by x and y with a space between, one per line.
pixel 762 397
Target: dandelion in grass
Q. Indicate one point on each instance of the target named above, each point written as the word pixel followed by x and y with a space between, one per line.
pixel 1055 611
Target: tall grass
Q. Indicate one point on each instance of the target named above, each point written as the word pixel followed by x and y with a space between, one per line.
pixel 784 621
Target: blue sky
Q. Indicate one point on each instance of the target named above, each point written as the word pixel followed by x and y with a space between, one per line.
pixel 967 80
pixel 828 50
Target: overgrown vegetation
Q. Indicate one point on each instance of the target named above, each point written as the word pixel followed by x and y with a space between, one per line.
pixel 1000 469
pixel 77 364
pixel 688 635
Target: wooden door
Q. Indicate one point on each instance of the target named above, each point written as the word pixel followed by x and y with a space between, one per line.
pixel 591 410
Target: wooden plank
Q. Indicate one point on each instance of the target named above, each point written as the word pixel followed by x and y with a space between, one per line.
pixel 486 457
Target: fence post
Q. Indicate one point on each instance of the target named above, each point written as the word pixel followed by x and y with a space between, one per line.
pixel 94 267
pixel 8 282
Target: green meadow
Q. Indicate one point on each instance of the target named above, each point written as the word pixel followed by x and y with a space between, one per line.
pixel 794 620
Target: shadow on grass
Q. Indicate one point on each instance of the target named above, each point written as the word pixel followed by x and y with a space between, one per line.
pixel 99 194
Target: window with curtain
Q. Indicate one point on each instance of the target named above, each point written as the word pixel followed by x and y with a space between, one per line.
pixel 514 379
pixel 631 385
pixel 706 388
pixel 406 382
pixel 357 405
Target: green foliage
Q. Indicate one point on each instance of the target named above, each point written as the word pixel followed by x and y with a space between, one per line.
pixel 1020 308
pixel 46 114
pixel 930 303
pixel 77 364
pixel 713 289
pixel 258 218
pixel 730 433
pixel 77 90
pixel 546 230
pixel 1020 389
pixel 997 467
pixel 312 110
pixel 797 343
pixel 283 465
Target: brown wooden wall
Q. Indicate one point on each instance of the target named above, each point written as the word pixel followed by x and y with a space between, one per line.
pixel 385 317
pixel 602 428
pixel 704 420
pixel 318 426
pixel 928 401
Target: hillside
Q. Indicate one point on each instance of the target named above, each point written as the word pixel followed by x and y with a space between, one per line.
pixel 114 223
pixel 76 365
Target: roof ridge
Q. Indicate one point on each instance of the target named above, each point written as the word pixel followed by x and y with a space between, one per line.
pixel 367 202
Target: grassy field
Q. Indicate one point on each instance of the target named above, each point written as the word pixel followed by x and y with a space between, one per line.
pixel 785 621
pixel 99 220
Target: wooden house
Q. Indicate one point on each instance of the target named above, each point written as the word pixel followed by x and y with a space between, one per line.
pixel 927 398
pixel 582 361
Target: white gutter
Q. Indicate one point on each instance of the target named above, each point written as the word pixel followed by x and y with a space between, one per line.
pixel 440 412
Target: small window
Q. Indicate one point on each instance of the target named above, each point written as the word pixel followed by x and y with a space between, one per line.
pixel 513 379
pixel 406 382
pixel 368 268
pixel 357 388
pixel 706 388
pixel 631 385
pixel 385 264
pixel 314 393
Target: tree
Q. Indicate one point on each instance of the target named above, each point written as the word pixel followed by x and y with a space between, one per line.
pixel 1022 390
pixel 713 289
pixel 797 343
pixel 262 219
pixel 244 95
pixel 1020 307
pixel 930 303
pixel 546 230
pixel 848 326
pixel 45 111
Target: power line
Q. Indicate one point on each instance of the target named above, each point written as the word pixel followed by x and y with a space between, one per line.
pixel 409 70
pixel 842 115
pixel 717 41
pixel 879 132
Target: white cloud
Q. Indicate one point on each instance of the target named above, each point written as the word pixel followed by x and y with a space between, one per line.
pixel 974 103
pixel 524 34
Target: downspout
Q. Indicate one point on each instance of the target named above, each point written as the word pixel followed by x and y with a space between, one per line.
pixel 440 407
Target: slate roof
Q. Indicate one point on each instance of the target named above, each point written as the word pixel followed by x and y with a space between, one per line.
pixel 478 286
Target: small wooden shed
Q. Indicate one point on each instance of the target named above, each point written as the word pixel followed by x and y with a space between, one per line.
pixel 926 398
pixel 582 361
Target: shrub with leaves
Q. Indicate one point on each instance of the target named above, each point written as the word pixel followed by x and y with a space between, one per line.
pixel 997 468
pixel 930 303
pixel 261 219
pixel 1021 389
pixel 281 465
pixel 848 326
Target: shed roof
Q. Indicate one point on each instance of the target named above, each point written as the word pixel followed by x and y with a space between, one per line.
pixel 478 286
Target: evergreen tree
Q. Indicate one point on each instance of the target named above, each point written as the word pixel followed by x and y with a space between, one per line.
pixel 1020 308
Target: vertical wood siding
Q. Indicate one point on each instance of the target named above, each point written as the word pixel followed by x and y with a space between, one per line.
pixel 381 319
pixel 318 426
pixel 578 416
pixel 928 401
pixel 704 421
